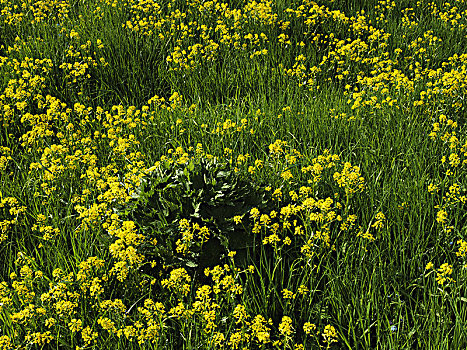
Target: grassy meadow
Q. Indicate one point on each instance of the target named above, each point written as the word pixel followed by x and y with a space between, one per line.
pixel 246 174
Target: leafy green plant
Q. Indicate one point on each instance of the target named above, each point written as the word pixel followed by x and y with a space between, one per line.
pixel 206 192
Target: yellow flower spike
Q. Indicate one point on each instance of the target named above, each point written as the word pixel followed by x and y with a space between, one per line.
pixel 285 327
pixel 264 219
pixel 309 328
pixel 441 216
pixel 442 274
pixel 287 294
pixel 254 213
pixel 462 251
pixel 75 325
pixel 330 335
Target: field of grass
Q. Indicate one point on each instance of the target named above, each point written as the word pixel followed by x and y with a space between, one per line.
pixel 233 175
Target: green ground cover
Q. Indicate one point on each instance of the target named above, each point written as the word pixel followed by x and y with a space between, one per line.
pixel 233 175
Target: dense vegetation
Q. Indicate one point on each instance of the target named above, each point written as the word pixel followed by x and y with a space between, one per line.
pixel 233 175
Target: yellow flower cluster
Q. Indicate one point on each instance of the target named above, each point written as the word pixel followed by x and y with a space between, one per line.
pixel 191 234
pixel 442 273
pixel 350 179
pixel 11 208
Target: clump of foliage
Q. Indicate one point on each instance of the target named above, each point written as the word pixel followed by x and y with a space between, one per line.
pixel 202 196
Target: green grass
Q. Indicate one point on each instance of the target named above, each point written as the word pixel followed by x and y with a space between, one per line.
pixel 376 294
